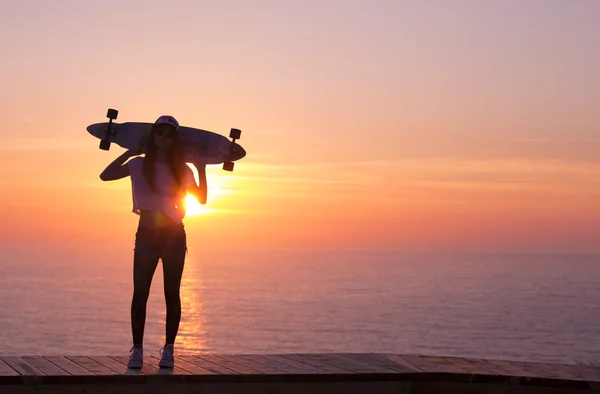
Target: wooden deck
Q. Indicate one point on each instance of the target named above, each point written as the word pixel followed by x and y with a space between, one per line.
pixel 292 373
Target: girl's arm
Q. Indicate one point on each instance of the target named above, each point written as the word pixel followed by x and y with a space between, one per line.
pixel 116 169
pixel 200 192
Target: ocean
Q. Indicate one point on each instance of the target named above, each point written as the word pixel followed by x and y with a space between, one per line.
pixel 531 307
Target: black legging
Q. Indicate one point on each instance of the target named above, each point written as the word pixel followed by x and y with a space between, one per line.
pixel 152 244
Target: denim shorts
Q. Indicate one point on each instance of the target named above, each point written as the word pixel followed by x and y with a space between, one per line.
pixel 168 242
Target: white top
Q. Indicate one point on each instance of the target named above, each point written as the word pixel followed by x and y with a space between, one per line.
pixel 163 198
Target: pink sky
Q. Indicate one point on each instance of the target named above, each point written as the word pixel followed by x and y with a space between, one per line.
pixel 383 124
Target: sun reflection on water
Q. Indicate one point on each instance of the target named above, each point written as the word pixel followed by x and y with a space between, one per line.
pixel 191 337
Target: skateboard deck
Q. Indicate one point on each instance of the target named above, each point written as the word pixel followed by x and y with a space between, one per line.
pixel 196 144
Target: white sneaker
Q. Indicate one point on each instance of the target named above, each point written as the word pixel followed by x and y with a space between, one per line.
pixel 166 357
pixel 136 359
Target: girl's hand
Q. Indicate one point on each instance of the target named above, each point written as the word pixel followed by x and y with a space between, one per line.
pixel 200 191
pixel 136 151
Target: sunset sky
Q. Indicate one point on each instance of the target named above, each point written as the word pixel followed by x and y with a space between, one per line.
pixel 377 125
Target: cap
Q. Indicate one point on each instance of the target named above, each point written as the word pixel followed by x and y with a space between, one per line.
pixel 167 119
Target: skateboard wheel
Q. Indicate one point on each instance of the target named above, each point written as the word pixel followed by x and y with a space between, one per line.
pixel 112 113
pixel 235 134
pixel 228 166
pixel 105 145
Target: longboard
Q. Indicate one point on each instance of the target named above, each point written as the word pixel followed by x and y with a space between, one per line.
pixel 197 145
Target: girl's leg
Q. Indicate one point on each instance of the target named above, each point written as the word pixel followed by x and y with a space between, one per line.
pixel 173 261
pixel 145 260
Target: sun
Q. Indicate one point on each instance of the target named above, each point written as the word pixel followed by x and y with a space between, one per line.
pixel 193 207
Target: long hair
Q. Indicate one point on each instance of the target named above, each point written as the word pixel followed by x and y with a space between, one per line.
pixel 174 158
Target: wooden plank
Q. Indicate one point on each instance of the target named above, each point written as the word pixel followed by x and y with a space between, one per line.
pixel 347 364
pixel 485 367
pixel 505 365
pixel 214 367
pixel 319 366
pixel 572 372
pixel 446 365
pixel 555 371
pixel 558 370
pixel 496 369
pixel 293 364
pixel 379 361
pixel 581 372
pixel 356 365
pixel 6 370
pixel 307 364
pixel 228 361
pixel 523 370
pixel 528 369
pixel 45 366
pixel 110 363
pixel 176 370
pixel 399 359
pixel 21 366
pixel 423 363
pixel 91 365
pixel 532 369
pixel 149 367
pixel 474 367
pixel 277 364
pixel 123 360
pixel 68 365
pixel 250 361
pixel 192 369
pixel 322 365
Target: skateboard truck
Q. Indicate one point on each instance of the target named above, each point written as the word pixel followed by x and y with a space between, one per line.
pixel 234 134
pixel 105 142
